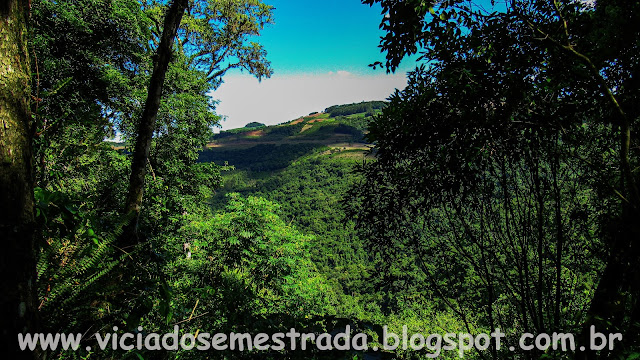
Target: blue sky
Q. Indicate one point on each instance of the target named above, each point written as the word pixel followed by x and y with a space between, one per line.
pixel 318 36
pixel 319 51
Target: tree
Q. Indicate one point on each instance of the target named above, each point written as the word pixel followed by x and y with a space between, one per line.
pixel 244 270
pixel 86 55
pixel 504 131
pixel 227 44
pixel 213 33
pixel 147 122
pixel 18 312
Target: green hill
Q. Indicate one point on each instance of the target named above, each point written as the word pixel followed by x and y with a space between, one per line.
pixel 306 166
pixel 269 148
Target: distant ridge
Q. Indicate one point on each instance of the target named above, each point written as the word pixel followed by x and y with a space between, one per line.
pixel 338 123
pixel 267 148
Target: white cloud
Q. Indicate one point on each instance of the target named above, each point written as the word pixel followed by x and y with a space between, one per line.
pixel 282 98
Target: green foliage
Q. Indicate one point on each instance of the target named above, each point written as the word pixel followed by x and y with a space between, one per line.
pixel 371 290
pixel 499 167
pixel 287 130
pixel 262 157
pixel 217 36
pixel 85 53
pixel 246 267
pixel 255 124
pixel 350 109
pixel 356 133
pixel 309 191
pixel 75 258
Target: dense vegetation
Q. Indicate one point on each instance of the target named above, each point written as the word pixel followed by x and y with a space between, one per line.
pixel 262 157
pixel 508 167
pixel 312 190
pixel 367 107
pixel 501 190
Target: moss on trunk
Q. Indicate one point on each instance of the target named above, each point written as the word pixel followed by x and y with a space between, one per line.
pixel 18 310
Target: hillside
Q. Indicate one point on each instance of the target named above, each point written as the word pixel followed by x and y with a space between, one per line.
pixel 306 166
pixel 340 128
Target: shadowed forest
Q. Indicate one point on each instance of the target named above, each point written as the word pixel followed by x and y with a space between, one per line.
pixel 498 190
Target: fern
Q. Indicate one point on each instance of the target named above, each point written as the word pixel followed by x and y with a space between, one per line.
pixel 67 268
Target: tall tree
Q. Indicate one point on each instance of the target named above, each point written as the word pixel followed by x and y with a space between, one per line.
pixel 527 98
pixel 214 37
pixel 18 311
pixel 147 123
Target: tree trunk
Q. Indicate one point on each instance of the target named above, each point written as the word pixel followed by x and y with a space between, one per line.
pixel 147 122
pixel 18 310
pixel 608 309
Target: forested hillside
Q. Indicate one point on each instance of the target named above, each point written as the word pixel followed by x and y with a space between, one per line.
pixel 308 174
pixel 310 178
pixel 488 210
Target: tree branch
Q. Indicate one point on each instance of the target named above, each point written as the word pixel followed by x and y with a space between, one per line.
pixel 625 125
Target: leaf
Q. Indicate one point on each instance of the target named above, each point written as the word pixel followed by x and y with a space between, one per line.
pixel 246 234
pixel 57 87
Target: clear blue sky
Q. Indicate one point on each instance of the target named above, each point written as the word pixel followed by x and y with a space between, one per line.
pixel 317 36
